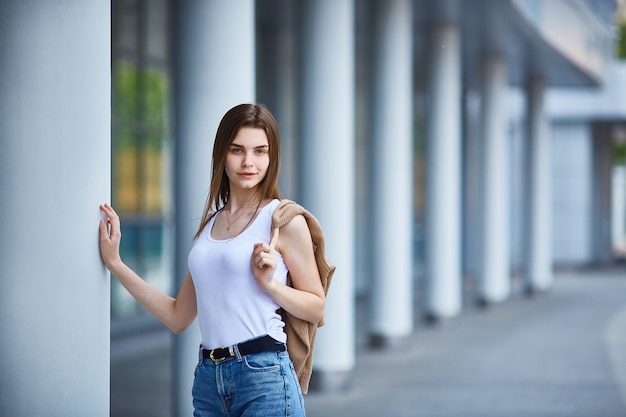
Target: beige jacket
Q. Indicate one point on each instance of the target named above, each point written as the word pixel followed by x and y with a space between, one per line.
pixel 301 333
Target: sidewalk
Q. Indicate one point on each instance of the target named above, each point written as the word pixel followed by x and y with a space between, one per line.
pixel 562 353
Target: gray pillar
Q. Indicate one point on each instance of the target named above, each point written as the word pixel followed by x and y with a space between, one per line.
pixel 494 285
pixel 443 202
pixel 209 80
pixel 55 139
pixel 327 161
pixel 391 294
pixel 471 213
pixel 602 164
pixel 276 86
pixel 538 174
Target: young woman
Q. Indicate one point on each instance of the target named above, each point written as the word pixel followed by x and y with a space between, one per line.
pixel 237 279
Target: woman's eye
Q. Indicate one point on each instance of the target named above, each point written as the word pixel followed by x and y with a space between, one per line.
pixel 261 151
pixel 236 150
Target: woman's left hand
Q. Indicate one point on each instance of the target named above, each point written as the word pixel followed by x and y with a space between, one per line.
pixel 264 261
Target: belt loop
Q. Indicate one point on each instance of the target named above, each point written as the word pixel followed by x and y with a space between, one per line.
pixel 200 355
pixel 235 349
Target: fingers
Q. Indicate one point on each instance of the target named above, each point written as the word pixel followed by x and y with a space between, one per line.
pixel 266 260
pixel 264 256
pixel 112 220
pixel 103 229
pixel 108 211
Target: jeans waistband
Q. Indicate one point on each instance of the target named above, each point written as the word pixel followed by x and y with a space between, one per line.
pixel 260 344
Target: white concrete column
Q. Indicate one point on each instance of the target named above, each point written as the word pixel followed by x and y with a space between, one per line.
pixel 443 200
pixel 210 78
pixel 391 293
pixel 494 285
pixel 327 160
pixel 55 141
pixel 539 239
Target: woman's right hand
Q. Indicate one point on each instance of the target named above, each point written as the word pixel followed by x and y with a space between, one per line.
pixel 110 236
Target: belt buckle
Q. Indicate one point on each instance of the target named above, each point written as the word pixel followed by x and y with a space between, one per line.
pixel 218 360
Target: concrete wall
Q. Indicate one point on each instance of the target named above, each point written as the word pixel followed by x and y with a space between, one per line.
pixel 572 176
pixel 54 171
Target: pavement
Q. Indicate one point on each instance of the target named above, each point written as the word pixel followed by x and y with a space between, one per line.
pixel 554 354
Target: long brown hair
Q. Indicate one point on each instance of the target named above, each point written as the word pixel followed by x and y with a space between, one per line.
pixel 242 115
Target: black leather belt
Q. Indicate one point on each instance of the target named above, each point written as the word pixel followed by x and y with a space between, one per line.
pixel 261 344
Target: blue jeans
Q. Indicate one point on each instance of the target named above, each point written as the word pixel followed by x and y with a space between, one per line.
pixel 262 384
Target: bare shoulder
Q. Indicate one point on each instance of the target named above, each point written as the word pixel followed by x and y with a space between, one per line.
pixel 295 233
pixel 297 223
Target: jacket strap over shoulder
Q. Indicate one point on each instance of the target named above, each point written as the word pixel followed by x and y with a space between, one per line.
pixel 285 212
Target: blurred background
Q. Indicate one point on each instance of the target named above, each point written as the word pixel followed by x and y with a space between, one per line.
pixel 457 153
pixel 486 146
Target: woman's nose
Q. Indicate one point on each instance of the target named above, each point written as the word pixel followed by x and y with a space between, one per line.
pixel 247 160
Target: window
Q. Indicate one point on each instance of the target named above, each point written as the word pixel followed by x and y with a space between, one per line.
pixel 141 144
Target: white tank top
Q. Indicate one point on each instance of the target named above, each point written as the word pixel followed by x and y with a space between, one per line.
pixel 232 307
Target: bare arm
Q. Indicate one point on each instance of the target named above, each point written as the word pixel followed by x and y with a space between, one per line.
pixel 175 313
pixel 306 299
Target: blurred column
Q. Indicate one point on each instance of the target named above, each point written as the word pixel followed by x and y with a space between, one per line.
pixel 471 209
pixel 602 148
pixel 215 70
pixel 391 294
pixel 618 209
pixel 55 141
pixel 494 285
pixel 443 199
pixel 327 161
pixel 276 81
pixel 539 239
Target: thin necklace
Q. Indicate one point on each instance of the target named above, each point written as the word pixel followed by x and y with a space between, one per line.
pixel 237 218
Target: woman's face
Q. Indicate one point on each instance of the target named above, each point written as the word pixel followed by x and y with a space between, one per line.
pixel 248 158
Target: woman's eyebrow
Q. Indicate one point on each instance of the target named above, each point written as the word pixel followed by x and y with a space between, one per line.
pixel 236 145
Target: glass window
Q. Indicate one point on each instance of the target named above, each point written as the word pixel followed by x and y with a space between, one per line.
pixel 141 144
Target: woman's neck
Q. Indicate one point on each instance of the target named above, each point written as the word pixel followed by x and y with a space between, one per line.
pixel 243 200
